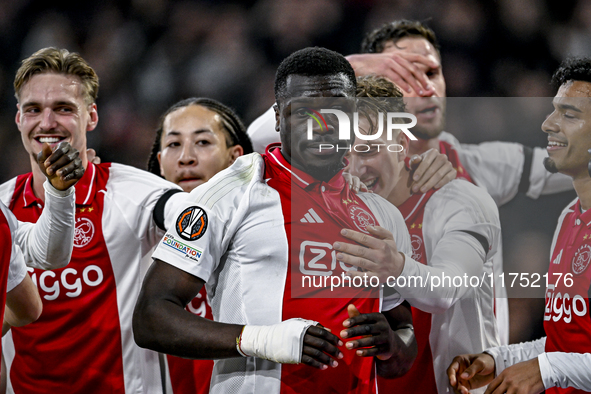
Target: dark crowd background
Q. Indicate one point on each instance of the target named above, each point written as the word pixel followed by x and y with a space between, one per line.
pixel 152 53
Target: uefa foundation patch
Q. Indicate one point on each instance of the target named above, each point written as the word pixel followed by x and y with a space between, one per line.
pixel 188 251
pixel 191 224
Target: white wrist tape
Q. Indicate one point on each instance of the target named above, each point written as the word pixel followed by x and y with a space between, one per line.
pixel 282 342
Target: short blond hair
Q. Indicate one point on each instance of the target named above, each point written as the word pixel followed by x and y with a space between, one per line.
pixel 378 94
pixel 375 86
pixel 59 61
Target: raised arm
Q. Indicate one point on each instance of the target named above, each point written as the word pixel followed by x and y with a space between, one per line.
pixel 402 68
pixel 48 244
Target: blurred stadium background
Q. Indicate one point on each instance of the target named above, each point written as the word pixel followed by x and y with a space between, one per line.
pixel 152 53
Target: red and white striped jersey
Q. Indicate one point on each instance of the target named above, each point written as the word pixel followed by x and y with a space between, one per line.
pixel 567 317
pixel 564 355
pixel 260 227
pixel 83 341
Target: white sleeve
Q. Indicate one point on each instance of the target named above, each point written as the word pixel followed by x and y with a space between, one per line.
pixel 205 221
pixel 566 370
pixel 262 131
pixel 190 245
pixel 17 269
pixel 543 182
pixel 505 168
pixel 48 243
pixel 134 197
pixel 495 166
pixel 456 254
pixel 507 355
pixel 452 213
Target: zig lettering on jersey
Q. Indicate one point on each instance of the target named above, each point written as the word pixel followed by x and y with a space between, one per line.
pixel 581 259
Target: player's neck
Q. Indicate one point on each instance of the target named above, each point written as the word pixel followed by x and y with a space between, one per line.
pixel 401 191
pixel 583 189
pixel 421 146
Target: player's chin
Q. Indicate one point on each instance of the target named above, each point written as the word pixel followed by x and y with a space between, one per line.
pixel 189 184
pixel 322 169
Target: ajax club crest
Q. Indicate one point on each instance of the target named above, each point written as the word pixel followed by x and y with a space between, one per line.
pixel 191 224
pixel 581 259
pixel 416 243
pixel 83 232
pixel 361 218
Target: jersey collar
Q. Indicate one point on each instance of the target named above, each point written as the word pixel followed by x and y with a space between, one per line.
pixel 584 216
pixel 300 178
pixel 85 189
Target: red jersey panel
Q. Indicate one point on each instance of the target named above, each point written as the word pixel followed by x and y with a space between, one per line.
pixel 567 318
pixel 86 286
pixel 83 341
pixel 5 252
pixel 421 377
pixel 314 213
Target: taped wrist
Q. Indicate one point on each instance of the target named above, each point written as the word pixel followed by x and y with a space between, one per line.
pixel 281 343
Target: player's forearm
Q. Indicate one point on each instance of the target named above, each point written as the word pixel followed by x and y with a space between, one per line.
pixel 166 327
pixel 564 370
pixel 23 304
pixel 405 352
pixel 48 244
pixel 508 355
pixel 431 287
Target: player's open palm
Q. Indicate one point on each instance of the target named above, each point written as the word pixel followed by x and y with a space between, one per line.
pixel 320 348
pixel 62 166
pixel 376 254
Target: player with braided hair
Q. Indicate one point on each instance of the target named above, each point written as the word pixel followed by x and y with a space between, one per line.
pixel 196 138
pixel 225 128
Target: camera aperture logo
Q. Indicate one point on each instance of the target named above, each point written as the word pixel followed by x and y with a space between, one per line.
pixel 391 123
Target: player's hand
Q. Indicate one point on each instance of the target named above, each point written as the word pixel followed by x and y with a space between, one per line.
pixel 377 338
pixel 354 182
pixel 402 68
pixel 320 348
pixel 376 254
pixel 62 167
pixel 470 371
pixel 92 156
pixel 430 170
pixel 522 378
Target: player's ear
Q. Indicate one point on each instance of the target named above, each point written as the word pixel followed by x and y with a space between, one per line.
pixel 235 152
pixel 404 142
pixel 160 163
pixel 277 117
pixel 17 118
pixel 93 117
